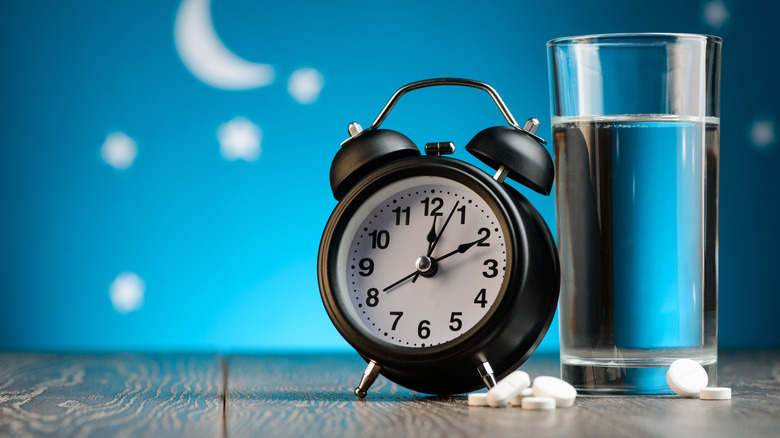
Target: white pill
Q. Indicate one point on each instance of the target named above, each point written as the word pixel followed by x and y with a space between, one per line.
pixel 508 388
pixel 518 400
pixel 715 394
pixel 563 393
pixel 478 399
pixel 686 377
pixel 539 403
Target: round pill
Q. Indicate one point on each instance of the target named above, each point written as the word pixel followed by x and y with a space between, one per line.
pixel 686 377
pixel 563 393
pixel 539 403
pixel 715 394
pixel 478 399
pixel 508 388
pixel 518 400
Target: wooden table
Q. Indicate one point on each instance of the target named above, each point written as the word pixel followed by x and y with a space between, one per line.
pixel 311 395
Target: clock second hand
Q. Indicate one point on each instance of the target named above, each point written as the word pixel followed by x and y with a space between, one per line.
pixel 462 248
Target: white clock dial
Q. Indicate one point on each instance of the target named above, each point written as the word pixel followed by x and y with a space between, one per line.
pixel 400 291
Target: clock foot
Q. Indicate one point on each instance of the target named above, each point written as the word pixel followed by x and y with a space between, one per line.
pixel 486 373
pixel 369 375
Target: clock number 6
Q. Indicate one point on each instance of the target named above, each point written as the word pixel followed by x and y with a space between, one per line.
pixel 422 330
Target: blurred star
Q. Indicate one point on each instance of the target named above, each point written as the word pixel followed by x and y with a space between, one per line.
pixel 119 150
pixel 715 13
pixel 305 85
pixel 127 292
pixel 239 138
pixel 762 132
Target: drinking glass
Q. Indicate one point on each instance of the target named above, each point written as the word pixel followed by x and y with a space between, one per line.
pixel 636 121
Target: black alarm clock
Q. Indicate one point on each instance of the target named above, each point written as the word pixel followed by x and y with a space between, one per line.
pixel 442 277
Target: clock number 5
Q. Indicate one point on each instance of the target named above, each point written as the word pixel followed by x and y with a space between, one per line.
pixel 457 324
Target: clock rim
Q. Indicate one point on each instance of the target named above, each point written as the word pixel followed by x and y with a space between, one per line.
pixel 352 331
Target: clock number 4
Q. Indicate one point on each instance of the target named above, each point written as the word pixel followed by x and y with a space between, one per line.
pixel 481 298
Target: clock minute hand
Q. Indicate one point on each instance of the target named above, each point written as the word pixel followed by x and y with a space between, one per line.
pixel 435 237
pixel 430 250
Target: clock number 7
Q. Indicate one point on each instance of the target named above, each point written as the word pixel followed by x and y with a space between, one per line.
pixel 398 316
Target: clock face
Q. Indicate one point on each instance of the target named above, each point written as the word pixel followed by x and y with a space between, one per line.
pixel 422 261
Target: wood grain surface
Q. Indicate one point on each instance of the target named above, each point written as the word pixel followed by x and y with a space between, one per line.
pixel 311 395
pixel 110 395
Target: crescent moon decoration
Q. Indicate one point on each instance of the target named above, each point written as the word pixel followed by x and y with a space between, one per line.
pixel 207 58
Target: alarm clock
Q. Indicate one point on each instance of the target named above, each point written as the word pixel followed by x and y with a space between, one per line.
pixel 443 277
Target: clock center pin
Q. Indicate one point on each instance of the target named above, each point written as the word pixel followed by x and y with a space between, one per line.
pixel 426 266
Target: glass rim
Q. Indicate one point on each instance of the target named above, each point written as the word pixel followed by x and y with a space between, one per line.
pixel 626 38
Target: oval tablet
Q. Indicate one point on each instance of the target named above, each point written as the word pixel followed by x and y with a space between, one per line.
pixel 686 377
pixel 715 394
pixel 563 393
pixel 478 399
pixel 518 400
pixel 539 403
pixel 508 388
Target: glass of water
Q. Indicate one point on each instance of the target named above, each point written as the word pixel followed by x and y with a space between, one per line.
pixel 636 120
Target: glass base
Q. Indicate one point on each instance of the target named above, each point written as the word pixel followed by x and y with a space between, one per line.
pixel 599 378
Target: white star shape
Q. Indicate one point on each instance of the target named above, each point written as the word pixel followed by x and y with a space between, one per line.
pixel 239 139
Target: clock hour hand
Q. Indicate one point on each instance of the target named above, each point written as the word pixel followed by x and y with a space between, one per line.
pixel 462 248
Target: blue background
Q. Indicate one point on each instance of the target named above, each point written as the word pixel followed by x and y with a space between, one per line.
pixel 227 249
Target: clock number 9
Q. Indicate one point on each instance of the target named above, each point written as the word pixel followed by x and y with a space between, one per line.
pixel 422 330
pixel 366 266
pixel 372 299
pixel 492 269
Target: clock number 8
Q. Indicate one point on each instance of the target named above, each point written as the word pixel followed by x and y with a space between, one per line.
pixel 372 297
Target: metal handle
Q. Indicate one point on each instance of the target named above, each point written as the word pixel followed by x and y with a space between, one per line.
pixel 444 81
